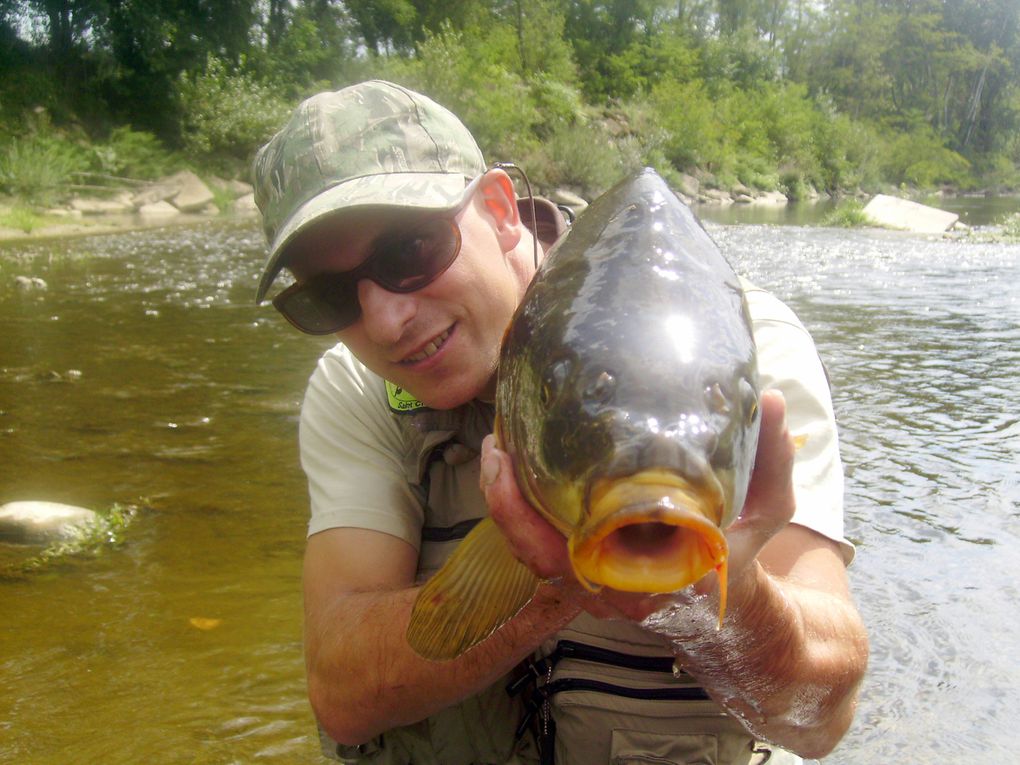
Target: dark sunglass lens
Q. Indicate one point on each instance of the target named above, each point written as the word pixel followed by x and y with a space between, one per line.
pixel 409 263
pixel 320 307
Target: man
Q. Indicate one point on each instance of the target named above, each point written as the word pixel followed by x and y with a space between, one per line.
pixel 403 244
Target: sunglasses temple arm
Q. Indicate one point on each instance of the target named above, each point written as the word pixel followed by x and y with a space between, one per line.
pixel 531 203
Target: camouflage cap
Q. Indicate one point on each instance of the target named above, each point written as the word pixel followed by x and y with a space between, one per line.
pixel 375 144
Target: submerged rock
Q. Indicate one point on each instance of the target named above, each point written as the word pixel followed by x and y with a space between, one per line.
pixel 30 284
pixel 32 522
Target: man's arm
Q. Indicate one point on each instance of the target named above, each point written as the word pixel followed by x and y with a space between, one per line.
pixel 792 650
pixel 363 678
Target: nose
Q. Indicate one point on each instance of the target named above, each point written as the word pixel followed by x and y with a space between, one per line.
pixel 384 314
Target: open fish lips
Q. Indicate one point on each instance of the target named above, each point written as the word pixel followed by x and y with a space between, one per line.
pixel 628 398
pixel 628 393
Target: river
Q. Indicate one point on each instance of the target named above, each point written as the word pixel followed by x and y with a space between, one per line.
pixel 145 376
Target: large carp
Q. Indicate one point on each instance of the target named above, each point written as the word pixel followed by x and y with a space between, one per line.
pixel 628 399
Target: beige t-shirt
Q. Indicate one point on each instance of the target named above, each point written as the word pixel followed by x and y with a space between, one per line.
pixel 364 465
pixel 415 475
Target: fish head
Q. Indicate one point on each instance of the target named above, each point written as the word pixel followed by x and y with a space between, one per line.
pixel 641 474
pixel 628 393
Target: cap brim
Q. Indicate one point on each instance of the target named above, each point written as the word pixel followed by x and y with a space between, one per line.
pixel 419 191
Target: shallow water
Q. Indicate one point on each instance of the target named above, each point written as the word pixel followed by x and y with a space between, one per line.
pixel 145 376
pixel 921 338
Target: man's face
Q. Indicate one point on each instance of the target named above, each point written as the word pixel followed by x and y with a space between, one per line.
pixel 441 342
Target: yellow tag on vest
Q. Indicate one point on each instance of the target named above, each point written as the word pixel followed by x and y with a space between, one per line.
pixel 402 401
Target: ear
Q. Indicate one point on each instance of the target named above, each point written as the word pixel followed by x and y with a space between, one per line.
pixel 500 201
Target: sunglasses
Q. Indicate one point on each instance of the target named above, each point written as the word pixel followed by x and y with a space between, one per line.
pixel 403 262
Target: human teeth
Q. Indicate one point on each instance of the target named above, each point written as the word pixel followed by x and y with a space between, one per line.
pixel 429 349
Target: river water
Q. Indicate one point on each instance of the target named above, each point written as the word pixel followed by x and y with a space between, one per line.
pixel 145 376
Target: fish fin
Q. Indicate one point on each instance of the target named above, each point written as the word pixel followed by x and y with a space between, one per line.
pixel 497 431
pixel 799 440
pixel 480 587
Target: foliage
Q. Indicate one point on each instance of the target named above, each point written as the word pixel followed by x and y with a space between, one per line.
pixel 133 154
pixel 835 95
pixel 1011 228
pixel 20 219
pixel 918 158
pixel 226 112
pixel 472 76
pixel 585 158
pixel 848 214
pixel 38 167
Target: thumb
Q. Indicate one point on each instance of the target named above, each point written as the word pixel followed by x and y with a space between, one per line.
pixel 770 501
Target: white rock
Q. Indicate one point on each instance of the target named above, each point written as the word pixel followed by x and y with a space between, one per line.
pixel 100 206
pixel 159 209
pixel 33 522
pixel 193 195
pixel 30 283
pixel 894 212
pixel 771 198
pixel 245 204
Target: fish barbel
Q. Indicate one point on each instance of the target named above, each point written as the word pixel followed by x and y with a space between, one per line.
pixel 628 399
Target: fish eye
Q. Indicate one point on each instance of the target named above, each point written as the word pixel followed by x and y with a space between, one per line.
pixel 553 381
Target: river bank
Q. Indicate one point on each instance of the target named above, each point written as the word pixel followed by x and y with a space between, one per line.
pixel 21 221
pixel 126 204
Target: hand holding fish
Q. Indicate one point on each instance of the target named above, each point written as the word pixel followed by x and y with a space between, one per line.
pixel 539 546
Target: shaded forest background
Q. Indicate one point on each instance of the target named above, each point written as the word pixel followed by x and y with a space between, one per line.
pixel 795 95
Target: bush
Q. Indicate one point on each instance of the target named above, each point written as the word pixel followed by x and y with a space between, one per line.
pixel 39 167
pixel 133 153
pixel 227 113
pixel 687 117
pixel 473 76
pixel 1011 228
pixel 848 214
pixel 584 158
pixel 918 157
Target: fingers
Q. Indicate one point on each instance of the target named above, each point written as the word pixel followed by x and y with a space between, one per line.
pixel 539 546
pixel 770 493
pixel 770 499
pixel 532 539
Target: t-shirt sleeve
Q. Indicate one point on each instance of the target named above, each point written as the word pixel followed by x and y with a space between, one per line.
pixel 788 360
pixel 353 454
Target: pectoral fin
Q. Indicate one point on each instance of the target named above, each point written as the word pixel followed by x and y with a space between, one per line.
pixel 478 589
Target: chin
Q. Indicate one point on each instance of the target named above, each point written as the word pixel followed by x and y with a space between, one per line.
pixel 449 394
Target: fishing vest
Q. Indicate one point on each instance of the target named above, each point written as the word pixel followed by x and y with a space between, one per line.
pixel 599 692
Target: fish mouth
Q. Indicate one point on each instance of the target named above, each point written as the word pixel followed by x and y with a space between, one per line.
pixel 652 532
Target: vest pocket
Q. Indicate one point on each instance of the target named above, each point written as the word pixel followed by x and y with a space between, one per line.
pixel 633 747
pixel 617 709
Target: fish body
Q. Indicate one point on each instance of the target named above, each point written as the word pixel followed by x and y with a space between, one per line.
pixel 628 399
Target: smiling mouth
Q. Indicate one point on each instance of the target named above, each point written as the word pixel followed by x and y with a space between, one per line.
pixel 429 350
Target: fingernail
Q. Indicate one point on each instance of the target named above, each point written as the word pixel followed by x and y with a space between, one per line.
pixel 490 469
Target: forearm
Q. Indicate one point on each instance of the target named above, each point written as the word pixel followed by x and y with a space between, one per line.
pixel 364 679
pixel 787 661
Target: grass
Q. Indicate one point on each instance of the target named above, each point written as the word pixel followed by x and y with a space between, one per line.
pixel 21 219
pixel 848 214
pixel 90 540
pixel 1011 228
